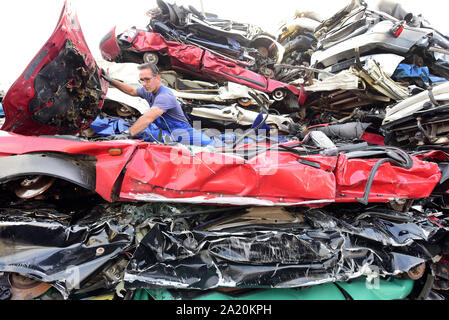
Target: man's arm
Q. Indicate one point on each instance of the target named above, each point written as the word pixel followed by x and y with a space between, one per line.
pixel 144 121
pixel 126 88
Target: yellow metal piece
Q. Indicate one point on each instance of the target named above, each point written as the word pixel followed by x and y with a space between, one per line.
pixel 105 297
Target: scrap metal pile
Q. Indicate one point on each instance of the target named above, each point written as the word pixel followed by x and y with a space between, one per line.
pixel 333 183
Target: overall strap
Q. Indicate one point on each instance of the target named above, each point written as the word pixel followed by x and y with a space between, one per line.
pixel 153 96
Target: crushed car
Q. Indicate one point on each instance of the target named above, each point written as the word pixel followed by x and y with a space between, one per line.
pixel 194 61
pixel 311 199
pixel 61 91
pixel 244 42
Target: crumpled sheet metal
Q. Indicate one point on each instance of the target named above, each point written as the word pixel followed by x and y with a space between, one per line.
pixel 349 131
pixel 380 81
pixel 57 252
pixel 191 59
pixel 225 94
pixel 241 116
pixel 162 173
pixel 61 91
pixel 324 249
pixel 127 72
pixel 416 103
pixel 345 80
pixel 391 182
pixel 169 174
pixel 174 174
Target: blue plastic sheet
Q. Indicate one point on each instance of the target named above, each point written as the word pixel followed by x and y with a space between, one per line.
pixel 109 126
pixel 412 71
pixel 105 127
pixel 258 121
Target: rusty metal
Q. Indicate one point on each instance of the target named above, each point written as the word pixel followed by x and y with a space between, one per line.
pixel 263 51
pixel 124 111
pixel 267 72
pixel 417 272
pixel 32 187
pixel 244 102
pixel 23 288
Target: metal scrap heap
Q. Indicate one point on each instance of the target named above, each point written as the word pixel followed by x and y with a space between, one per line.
pixel 318 161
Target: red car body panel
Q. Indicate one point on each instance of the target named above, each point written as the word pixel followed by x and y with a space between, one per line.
pixel 202 63
pixel 162 173
pixel 108 168
pixel 17 102
pixel 435 156
pixel 391 182
pixel 109 46
pixel 172 174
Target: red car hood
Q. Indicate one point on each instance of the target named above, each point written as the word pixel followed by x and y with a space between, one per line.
pixel 61 91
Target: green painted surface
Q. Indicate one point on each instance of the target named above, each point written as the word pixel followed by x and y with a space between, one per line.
pixel 359 289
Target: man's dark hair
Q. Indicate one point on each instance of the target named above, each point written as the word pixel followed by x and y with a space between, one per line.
pixel 154 69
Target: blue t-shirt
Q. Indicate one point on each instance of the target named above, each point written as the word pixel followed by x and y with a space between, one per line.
pixel 166 101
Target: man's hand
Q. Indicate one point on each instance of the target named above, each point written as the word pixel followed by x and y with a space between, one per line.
pixel 125 135
pixel 145 120
pixel 106 76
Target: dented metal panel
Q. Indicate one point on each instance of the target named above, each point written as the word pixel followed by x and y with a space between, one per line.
pixel 61 91
pixel 203 64
pixel 107 167
pixel 160 173
pixel 318 248
pixel 76 171
pixel 176 173
pixel 242 116
pixel 63 251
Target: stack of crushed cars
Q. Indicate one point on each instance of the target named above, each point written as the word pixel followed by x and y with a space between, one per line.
pixel 342 196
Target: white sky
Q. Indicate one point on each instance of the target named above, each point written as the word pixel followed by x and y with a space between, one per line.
pixel 26 25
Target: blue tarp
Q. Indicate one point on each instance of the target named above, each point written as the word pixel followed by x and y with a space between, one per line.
pixel 105 127
pixel 258 121
pixel 109 126
pixel 412 71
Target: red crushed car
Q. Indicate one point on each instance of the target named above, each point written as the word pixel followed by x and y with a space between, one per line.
pixel 132 170
pixel 140 45
pixel 61 91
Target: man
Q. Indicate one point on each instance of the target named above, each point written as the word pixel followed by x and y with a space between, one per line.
pixel 165 111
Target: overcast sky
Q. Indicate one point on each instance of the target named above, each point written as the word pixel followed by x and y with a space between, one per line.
pixel 26 25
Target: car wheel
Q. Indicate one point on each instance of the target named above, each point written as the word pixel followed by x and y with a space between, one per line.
pixel 150 57
pixel 279 94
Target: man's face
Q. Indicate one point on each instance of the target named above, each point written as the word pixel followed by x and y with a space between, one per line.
pixel 150 83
